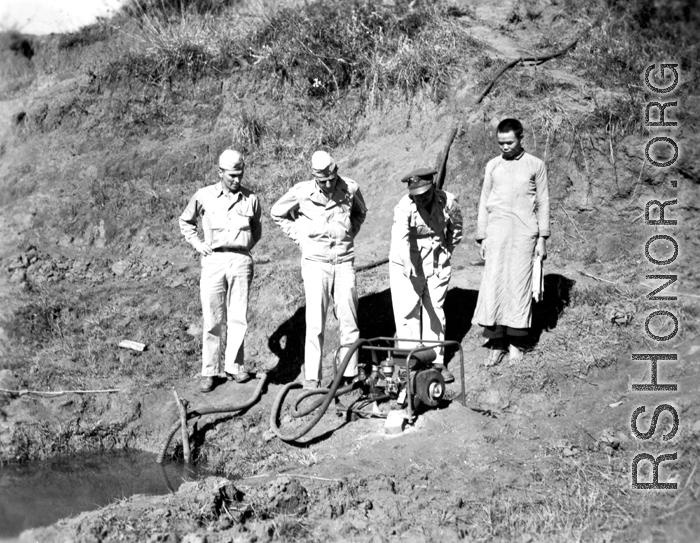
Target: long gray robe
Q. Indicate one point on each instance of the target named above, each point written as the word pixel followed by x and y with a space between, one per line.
pixel 513 212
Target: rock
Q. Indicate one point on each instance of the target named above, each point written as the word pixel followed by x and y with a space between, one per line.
pixel 195 329
pixel 288 496
pixel 570 451
pixel 100 237
pixel 621 436
pixel 18 276
pixel 65 241
pixel 16 265
pixel 9 380
pixel 80 266
pixel 696 427
pixel 194 538
pixel 120 267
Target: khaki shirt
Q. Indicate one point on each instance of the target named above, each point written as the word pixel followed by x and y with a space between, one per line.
pixel 229 220
pixel 426 239
pixel 324 227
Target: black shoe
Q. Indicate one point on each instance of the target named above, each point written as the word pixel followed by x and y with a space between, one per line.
pixel 207 385
pixel 240 377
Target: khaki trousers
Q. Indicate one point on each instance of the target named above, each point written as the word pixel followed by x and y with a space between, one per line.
pixel 408 296
pixel 224 285
pixel 323 282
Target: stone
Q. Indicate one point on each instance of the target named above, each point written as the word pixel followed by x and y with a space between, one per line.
pixel 195 329
pixel 288 496
pixel 120 267
pixel 9 380
pixel 16 265
pixel 18 276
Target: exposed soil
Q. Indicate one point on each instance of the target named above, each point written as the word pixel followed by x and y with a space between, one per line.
pixel 541 452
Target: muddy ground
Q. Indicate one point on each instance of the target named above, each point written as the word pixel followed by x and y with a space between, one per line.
pixel 542 450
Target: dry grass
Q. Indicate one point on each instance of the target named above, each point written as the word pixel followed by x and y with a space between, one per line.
pixel 16 68
pixel 70 339
pixel 625 37
pixel 586 339
pixel 578 499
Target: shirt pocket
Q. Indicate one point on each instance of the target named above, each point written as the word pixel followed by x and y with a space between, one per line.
pixel 342 219
pixel 241 217
pixel 312 220
pixel 216 220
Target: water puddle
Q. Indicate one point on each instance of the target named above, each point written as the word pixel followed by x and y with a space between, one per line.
pixel 39 494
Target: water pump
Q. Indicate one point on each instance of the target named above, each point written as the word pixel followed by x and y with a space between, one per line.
pixel 406 377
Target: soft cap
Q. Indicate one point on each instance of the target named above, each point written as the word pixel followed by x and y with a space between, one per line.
pixel 231 161
pixel 322 165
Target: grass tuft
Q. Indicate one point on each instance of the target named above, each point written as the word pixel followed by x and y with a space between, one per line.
pixel 16 68
pixel 625 37
pixel 329 47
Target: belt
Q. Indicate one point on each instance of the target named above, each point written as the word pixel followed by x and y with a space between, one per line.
pixel 326 260
pixel 230 250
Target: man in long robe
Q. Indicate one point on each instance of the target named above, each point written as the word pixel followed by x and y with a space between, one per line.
pixel 512 226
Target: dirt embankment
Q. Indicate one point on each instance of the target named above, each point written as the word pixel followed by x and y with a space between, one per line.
pixel 94 174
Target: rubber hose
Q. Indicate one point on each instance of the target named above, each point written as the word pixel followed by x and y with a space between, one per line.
pixel 371 265
pixel 277 406
pixel 295 409
pixel 359 404
pixel 211 410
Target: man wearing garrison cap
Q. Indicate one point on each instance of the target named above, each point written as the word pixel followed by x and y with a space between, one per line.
pixel 427 227
pixel 231 226
pixel 323 216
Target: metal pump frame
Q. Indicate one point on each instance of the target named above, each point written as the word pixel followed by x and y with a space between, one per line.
pixel 422 345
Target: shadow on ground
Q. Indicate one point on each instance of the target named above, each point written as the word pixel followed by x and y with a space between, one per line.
pixel 376 319
pixel 545 314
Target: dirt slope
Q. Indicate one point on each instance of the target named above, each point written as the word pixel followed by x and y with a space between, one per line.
pixel 93 183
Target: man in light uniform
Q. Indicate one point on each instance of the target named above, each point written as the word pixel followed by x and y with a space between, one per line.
pixel 513 224
pixel 231 226
pixel 323 216
pixel 427 227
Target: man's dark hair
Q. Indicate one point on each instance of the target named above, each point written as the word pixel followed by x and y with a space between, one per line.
pixel 510 125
